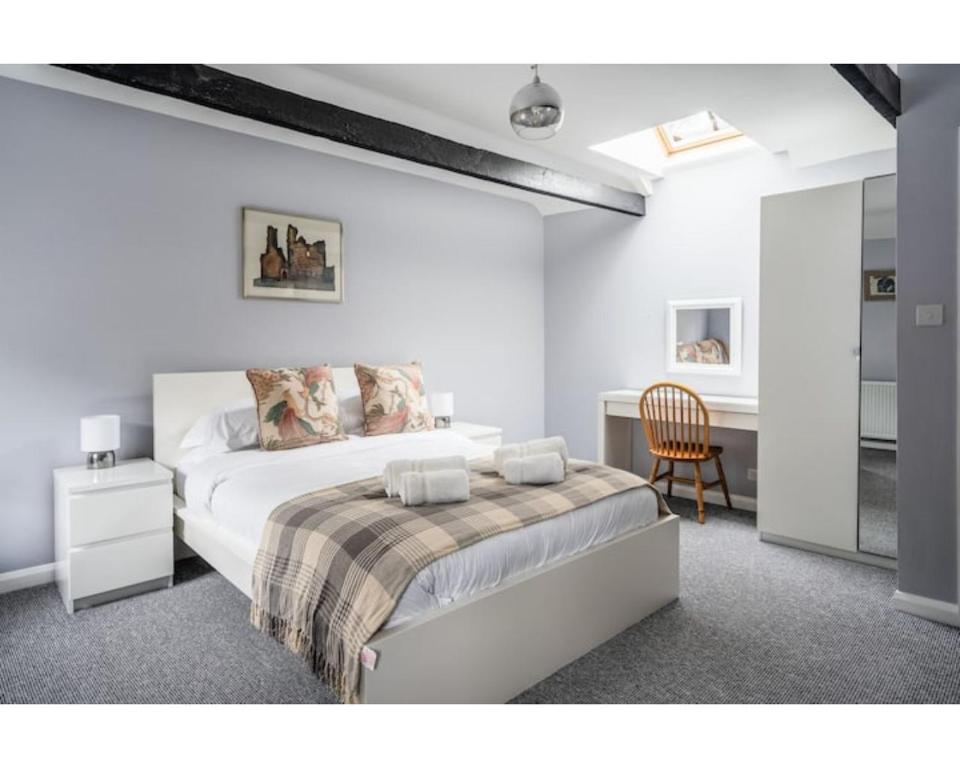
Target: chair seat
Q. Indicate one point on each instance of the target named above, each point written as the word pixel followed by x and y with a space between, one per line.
pixel 678 454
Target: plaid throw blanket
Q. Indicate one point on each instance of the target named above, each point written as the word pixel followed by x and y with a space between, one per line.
pixel 333 563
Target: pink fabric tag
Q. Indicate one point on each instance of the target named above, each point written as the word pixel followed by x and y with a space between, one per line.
pixel 368 657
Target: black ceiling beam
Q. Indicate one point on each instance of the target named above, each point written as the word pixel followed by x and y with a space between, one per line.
pixel 241 96
pixel 878 84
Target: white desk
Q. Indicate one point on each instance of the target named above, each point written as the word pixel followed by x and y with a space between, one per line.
pixel 619 408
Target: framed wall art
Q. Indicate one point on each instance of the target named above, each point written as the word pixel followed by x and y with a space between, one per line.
pixel 292 257
pixel 879 285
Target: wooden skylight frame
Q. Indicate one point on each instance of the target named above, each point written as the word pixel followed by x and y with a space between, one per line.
pixel 720 136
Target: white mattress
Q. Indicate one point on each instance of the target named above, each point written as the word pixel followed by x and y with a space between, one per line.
pixel 239 491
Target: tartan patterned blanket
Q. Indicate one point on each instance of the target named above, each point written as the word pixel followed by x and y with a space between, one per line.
pixel 332 564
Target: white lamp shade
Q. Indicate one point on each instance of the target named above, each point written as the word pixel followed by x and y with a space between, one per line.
pixel 441 404
pixel 99 433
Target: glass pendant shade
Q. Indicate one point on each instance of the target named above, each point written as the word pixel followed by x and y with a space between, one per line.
pixel 536 111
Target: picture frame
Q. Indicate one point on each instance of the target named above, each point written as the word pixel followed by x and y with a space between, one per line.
pixel 288 256
pixel 879 285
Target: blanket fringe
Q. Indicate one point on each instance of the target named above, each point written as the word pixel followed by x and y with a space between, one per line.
pixel 331 667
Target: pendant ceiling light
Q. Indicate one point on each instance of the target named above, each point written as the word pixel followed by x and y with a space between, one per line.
pixel 536 111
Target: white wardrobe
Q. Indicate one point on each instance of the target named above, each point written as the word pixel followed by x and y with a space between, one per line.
pixel 808 440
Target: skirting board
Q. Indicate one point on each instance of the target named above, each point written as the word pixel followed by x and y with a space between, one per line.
pixel 37 575
pixel 11 581
pixel 748 503
pixel 858 557
pixel 927 608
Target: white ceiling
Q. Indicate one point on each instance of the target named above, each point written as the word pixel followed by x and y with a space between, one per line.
pixel 806 110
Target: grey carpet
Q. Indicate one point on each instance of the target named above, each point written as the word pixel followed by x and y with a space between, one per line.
pixel 188 644
pixel 878 501
pixel 755 623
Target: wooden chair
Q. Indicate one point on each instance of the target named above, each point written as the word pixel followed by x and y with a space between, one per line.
pixel 677 425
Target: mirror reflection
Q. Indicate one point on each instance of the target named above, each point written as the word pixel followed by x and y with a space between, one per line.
pixel 878 370
pixel 703 336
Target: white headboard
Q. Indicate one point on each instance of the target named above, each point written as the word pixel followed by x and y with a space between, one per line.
pixel 179 399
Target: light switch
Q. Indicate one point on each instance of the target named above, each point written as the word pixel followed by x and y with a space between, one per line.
pixel 929 314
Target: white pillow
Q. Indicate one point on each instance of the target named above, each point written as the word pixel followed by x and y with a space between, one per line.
pixel 231 428
pixel 351 415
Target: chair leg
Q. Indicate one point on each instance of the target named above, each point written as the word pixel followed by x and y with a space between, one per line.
pixel 670 481
pixel 698 482
pixel 654 471
pixel 723 481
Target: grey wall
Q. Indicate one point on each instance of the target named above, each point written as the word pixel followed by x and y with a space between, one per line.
pixel 699 324
pixel 692 325
pixel 608 279
pixel 927 357
pixel 718 324
pixel 878 322
pixel 120 246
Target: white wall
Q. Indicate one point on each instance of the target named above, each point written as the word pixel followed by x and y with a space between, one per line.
pixel 122 255
pixel 608 279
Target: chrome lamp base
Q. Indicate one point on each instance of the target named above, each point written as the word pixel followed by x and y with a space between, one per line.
pixel 101 460
pixel 442 422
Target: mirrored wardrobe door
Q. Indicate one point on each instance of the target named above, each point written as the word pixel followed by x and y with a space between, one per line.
pixel 877 522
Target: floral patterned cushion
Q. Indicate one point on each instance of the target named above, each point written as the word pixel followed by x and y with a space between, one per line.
pixel 394 399
pixel 295 406
pixel 712 351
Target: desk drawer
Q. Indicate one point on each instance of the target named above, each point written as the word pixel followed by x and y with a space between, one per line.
pixel 112 514
pixel 102 567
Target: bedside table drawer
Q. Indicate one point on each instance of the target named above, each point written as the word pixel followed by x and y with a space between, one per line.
pixel 111 514
pixel 103 567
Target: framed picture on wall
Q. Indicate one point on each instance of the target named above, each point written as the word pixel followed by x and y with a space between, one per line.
pixel 292 257
pixel 879 285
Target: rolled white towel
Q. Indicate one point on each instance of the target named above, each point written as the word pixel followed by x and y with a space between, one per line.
pixel 531 448
pixel 440 486
pixel 395 468
pixel 540 469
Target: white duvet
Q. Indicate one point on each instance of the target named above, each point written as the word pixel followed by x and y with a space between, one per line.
pixel 240 490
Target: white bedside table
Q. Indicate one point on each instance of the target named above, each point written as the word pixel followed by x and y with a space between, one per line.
pixel 113 531
pixel 492 436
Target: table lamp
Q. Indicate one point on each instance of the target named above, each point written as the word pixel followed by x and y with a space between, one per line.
pixel 99 438
pixel 441 405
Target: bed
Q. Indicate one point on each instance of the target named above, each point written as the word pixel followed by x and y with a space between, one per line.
pixel 479 625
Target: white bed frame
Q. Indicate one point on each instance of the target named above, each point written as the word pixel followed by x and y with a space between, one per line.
pixel 484 649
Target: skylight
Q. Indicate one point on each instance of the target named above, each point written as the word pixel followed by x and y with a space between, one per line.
pixel 694 131
pixel 687 141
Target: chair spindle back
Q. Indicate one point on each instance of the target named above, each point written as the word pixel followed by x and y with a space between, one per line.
pixel 675 419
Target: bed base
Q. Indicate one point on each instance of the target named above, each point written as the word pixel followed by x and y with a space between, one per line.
pixel 496 644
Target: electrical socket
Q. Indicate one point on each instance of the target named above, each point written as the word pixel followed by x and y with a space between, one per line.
pixel 752 474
